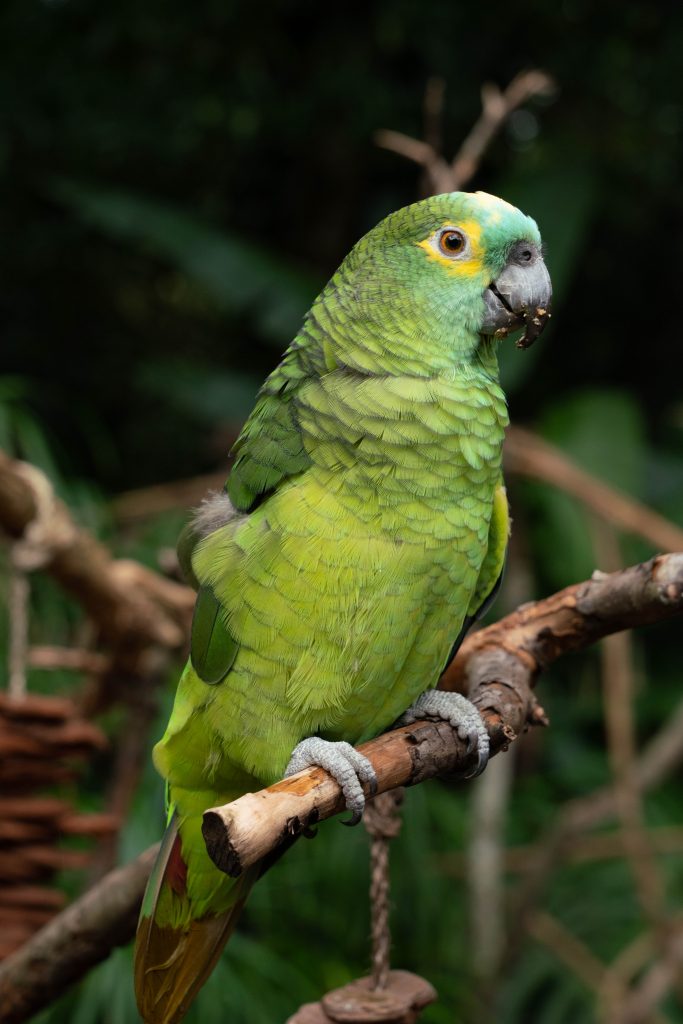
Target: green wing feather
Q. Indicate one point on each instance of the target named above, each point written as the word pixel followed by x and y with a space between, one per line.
pixel 270 447
pixel 212 648
pixel 187 542
pixel 491 572
pixel 492 569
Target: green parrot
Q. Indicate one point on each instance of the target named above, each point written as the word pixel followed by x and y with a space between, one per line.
pixel 362 530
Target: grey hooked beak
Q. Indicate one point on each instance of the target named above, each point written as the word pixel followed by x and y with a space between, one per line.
pixel 519 297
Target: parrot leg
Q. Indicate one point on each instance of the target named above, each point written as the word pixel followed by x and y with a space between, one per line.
pixel 346 766
pixel 460 714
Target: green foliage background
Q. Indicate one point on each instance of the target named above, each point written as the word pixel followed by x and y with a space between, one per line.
pixel 177 182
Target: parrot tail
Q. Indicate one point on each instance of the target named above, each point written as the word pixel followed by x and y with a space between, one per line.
pixel 189 911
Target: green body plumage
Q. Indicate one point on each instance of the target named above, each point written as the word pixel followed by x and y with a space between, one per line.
pixel 366 524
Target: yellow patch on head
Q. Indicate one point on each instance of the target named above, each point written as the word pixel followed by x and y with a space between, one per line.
pixel 494 206
pixel 469 265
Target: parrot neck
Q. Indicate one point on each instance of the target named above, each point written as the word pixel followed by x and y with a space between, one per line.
pixel 365 330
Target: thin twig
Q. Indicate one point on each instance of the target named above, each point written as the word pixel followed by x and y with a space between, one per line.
pixel 547 930
pixel 76 659
pixel 619 694
pixel 654 985
pixel 526 454
pixel 435 93
pixel 449 176
pixel 579 849
pixel 595 975
pixel 497 107
pixel 659 759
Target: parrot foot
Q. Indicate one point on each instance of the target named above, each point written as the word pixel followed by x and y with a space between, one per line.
pixel 461 715
pixel 346 766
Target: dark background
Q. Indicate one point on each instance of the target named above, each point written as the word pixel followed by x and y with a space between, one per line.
pixel 151 153
pixel 178 181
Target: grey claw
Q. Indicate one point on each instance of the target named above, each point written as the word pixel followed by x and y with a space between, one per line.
pixel 482 761
pixel 353 820
pixel 346 766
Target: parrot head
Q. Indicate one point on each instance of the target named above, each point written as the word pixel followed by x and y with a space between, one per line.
pixel 440 277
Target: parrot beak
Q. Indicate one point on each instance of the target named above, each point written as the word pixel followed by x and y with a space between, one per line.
pixel 519 297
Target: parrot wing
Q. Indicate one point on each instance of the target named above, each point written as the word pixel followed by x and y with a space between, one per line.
pixel 212 648
pixel 492 569
pixel 270 448
pixel 268 451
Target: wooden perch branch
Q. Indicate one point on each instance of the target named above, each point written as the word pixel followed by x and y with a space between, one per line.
pixel 133 607
pixel 496 667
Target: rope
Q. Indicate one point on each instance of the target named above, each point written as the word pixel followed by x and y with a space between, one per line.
pixel 18 633
pixel 382 821
pixel 43 536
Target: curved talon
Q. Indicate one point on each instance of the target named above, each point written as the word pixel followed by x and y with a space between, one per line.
pixel 348 768
pixel 353 820
pixel 482 761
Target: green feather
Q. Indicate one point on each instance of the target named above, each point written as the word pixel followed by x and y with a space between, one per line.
pixel 187 542
pixel 270 449
pixel 212 648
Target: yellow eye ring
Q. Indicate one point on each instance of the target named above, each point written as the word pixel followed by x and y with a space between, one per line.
pixel 452 242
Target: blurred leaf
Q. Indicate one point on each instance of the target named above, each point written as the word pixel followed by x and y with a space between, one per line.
pixel 21 433
pixel 240 276
pixel 603 432
pixel 206 393
pixel 664 483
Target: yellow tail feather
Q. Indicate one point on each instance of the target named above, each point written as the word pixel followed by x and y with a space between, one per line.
pixel 175 951
pixel 171 965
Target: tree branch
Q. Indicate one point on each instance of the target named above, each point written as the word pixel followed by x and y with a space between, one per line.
pixel 448 176
pixel 527 454
pixel 496 667
pixel 132 606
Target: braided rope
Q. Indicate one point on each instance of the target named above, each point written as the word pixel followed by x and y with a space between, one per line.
pixel 18 598
pixel 41 539
pixel 383 822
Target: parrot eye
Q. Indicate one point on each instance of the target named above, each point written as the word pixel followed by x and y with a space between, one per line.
pixel 452 242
